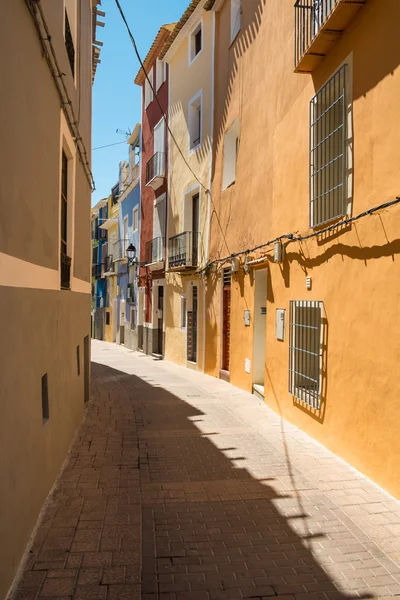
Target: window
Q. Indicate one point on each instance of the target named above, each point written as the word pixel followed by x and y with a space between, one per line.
pixel 133 317
pixel 69 44
pixel 125 241
pixel 328 148
pixel 65 261
pixel 78 360
pixel 195 43
pixel 158 229
pixel 236 18
pixel 305 351
pixel 195 121
pixel 148 92
pixel 107 318
pixel 161 73
pixel 183 312
pixel 135 219
pixel 45 400
pixel 231 147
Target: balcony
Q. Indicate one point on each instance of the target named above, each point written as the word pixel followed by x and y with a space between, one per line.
pixel 97 270
pixel 109 266
pixel 318 24
pixel 119 250
pixel 155 253
pixel 183 251
pixel 65 264
pixel 155 170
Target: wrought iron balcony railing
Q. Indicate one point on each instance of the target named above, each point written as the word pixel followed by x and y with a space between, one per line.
pixel 119 250
pixel 65 268
pixel 318 24
pixel 155 250
pixel 155 167
pixel 183 250
pixel 109 266
pixel 97 270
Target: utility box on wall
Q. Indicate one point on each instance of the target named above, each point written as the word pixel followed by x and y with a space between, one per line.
pixel 280 322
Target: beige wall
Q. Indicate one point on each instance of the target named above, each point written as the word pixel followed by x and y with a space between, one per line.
pixel 184 83
pixel 41 325
pixel 355 271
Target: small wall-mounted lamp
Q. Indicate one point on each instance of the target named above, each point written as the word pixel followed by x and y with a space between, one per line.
pixel 131 255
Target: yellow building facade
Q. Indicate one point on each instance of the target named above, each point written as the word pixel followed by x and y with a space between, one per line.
pixel 111 225
pixel 189 53
pixel 308 322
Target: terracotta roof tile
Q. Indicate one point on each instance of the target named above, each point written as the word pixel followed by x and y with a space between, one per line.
pixel 183 20
pixel 160 40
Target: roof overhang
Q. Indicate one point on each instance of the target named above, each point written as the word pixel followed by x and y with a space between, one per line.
pixel 184 26
pixel 159 42
pixel 108 224
pixel 134 135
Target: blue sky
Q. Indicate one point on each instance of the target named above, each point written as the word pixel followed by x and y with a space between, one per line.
pixel 116 99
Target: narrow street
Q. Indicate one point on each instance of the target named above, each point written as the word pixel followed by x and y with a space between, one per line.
pixel 179 486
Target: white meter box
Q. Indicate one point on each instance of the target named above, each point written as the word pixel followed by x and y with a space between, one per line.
pixel 280 324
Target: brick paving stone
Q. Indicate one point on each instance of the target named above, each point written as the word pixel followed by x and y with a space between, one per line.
pixel 180 486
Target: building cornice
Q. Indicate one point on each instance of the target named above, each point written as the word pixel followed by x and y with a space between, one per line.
pixel 184 26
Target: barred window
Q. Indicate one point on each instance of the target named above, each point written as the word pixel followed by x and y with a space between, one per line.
pixel 305 351
pixel 328 150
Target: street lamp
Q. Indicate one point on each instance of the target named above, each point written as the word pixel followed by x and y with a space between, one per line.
pixel 131 254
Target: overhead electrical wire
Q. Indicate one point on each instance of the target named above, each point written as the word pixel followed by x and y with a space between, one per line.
pixel 205 188
pixel 107 146
pixel 45 38
pixel 291 237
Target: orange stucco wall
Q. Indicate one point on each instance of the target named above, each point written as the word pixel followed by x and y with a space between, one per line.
pixel 355 271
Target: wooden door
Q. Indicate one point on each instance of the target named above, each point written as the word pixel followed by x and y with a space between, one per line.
pixel 160 319
pixel 226 319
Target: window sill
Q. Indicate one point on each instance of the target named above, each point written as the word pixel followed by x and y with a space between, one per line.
pixel 194 149
pixel 229 185
pixel 333 221
pixel 233 40
pixel 195 58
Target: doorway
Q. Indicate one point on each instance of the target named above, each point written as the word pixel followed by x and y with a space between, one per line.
pixel 260 331
pixel 195 227
pixel 86 368
pixel 226 319
pixel 191 328
pixel 160 319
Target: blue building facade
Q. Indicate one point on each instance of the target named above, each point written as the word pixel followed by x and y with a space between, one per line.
pixel 129 234
pixel 129 226
pixel 99 283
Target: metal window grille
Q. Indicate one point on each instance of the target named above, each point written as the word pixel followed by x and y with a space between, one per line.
pixel 69 44
pixel 227 277
pixel 328 151
pixel 305 351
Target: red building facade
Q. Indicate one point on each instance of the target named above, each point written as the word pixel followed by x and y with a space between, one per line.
pixel 154 178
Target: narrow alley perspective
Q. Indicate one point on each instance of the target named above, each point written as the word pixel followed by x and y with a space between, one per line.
pixel 199 300
pixel 179 486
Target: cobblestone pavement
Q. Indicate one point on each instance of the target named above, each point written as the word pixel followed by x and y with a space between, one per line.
pixel 182 486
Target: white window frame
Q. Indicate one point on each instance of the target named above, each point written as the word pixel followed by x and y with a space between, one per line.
pixel 192 42
pixel 236 18
pixel 231 145
pixel 125 239
pixel 161 73
pixel 148 92
pixel 197 100
pixel 183 313
pixel 135 216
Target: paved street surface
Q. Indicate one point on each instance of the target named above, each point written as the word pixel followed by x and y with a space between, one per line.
pixel 182 486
